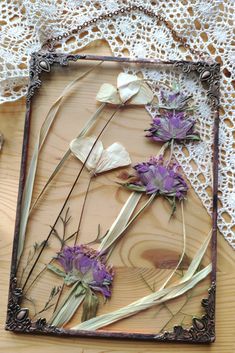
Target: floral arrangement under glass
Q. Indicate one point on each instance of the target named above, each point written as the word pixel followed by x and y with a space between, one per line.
pixel 85 270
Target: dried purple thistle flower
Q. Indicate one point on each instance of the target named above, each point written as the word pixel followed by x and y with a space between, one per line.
pixel 83 264
pixel 175 100
pixel 172 126
pixel 158 177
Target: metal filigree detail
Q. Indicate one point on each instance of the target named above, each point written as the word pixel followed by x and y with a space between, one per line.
pixel 202 329
pixel 18 318
pixel 38 63
pixel 42 61
pixel 209 74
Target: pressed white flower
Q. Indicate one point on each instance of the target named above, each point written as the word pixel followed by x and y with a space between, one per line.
pixel 130 90
pixel 100 159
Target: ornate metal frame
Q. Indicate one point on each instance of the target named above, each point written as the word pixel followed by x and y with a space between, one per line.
pixel 202 329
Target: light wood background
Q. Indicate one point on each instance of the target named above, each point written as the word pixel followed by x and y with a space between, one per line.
pixel 11 124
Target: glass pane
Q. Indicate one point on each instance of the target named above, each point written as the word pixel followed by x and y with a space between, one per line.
pixel 157 248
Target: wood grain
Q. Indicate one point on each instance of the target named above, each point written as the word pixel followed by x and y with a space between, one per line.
pixel 137 254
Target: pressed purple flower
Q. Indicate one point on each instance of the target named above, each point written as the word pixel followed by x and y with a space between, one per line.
pixel 157 177
pixel 172 126
pixel 83 264
pixel 175 100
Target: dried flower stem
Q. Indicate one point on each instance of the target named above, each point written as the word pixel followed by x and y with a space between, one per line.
pixel 58 298
pixel 68 196
pixel 31 255
pixel 163 149
pixel 171 151
pixel 83 208
pixel 55 290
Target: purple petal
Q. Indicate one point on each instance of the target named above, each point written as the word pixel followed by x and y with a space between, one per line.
pixel 168 183
pixel 172 125
pixel 162 178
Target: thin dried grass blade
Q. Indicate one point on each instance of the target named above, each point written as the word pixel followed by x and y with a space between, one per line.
pixel 121 221
pixel 116 235
pixel 84 131
pixel 197 259
pixel 185 286
pixel 158 297
pixel 69 306
pixel 29 184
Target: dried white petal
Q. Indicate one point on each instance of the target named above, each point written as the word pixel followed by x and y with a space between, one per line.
pixel 144 96
pixel 81 147
pixel 100 160
pixel 128 86
pixel 108 94
pixel 114 156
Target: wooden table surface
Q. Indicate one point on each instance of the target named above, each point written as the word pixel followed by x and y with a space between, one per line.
pixel 11 125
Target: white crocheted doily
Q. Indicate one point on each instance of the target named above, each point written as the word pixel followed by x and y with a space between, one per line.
pixel 208 27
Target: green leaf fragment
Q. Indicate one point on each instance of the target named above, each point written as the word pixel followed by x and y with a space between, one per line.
pixel 56 270
pixel 90 306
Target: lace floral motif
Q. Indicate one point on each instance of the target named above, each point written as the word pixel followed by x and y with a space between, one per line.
pixel 208 26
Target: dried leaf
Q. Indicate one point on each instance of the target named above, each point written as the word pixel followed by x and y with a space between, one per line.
pixel 69 305
pixel 56 270
pixel 109 240
pixel 186 285
pixel 133 187
pixel 197 259
pixel 90 307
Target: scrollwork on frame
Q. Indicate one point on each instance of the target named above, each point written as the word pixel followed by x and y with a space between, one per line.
pixel 202 329
pixel 42 61
pixel 18 318
pixel 208 73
